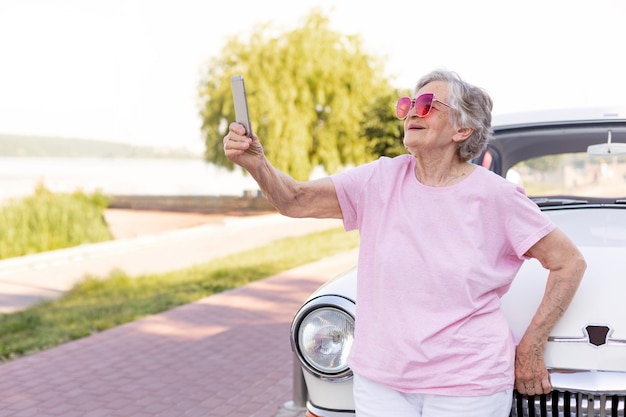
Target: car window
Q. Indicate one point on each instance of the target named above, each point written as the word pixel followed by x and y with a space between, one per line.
pixel 571 174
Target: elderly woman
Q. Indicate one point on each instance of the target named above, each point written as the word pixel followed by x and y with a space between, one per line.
pixel 441 241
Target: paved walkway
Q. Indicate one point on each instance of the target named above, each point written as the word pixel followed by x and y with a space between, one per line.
pixel 227 355
pixel 29 279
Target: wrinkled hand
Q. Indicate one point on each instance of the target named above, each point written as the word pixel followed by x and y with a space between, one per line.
pixel 241 149
pixel 531 375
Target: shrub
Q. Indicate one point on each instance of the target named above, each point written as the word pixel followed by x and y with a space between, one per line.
pixel 46 221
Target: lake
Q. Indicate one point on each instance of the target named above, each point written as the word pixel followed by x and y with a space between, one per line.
pixel 19 177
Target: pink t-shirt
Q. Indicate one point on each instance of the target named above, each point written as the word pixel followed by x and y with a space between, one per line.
pixel 433 264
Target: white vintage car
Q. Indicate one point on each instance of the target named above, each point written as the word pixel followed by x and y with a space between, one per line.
pixel 573 166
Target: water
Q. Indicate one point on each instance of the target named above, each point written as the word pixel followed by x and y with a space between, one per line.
pixel 20 176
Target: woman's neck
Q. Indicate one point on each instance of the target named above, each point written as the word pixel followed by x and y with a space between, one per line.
pixel 441 173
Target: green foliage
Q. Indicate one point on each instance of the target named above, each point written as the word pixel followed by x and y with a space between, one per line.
pixel 383 129
pixel 46 221
pixel 315 98
pixel 99 304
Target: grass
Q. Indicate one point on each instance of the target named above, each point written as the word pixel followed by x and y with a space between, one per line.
pixel 97 304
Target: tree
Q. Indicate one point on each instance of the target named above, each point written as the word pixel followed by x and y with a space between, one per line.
pixel 315 98
pixel 383 129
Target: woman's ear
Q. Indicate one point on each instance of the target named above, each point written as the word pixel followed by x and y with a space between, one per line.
pixel 462 134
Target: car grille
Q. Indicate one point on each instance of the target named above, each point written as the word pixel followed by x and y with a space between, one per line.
pixel 568 404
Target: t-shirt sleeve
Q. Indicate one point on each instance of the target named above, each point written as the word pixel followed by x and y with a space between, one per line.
pixel 526 224
pixel 349 186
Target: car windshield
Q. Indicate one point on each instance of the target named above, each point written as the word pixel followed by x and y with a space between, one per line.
pixel 571 174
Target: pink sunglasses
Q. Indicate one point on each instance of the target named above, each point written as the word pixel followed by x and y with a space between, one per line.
pixel 423 104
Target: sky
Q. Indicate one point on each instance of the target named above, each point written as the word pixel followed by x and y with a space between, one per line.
pixel 129 70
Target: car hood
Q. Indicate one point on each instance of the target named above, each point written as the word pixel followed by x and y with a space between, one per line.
pixel 591 334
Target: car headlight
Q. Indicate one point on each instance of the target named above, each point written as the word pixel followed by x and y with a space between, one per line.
pixel 322 335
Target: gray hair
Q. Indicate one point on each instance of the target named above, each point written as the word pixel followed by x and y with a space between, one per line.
pixel 471 108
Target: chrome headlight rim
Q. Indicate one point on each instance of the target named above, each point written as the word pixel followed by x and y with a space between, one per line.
pixel 339 303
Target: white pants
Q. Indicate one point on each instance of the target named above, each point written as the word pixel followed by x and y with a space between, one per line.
pixel 376 400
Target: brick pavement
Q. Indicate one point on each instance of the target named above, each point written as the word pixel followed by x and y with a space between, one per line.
pixel 227 355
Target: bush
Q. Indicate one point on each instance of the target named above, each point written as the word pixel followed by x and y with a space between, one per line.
pixel 46 221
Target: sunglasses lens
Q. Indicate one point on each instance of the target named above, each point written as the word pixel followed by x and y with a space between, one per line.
pixel 403 107
pixel 423 104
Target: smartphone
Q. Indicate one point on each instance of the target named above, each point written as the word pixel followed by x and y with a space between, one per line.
pixel 241 103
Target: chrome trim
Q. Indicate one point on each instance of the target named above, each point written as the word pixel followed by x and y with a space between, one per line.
pixel 605 382
pixel 568 404
pixel 322 412
pixel 341 303
pixel 586 337
pixel 609 340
